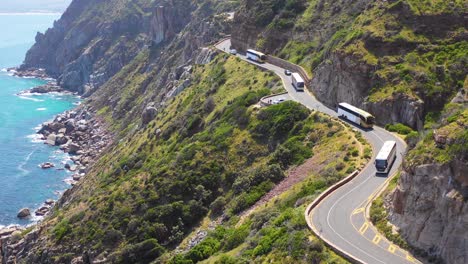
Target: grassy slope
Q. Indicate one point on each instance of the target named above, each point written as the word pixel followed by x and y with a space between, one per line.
pixel 277 232
pixel 207 145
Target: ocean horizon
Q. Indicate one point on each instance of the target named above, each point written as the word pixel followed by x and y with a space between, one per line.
pixel 22 182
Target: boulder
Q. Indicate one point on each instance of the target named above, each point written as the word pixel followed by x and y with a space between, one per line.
pixel 23 213
pixel 56 126
pixel 73 148
pixel 149 114
pixel 47 165
pixel 49 202
pixel 60 139
pixel 51 139
pixel 76 177
pixel 15 237
pixel 82 128
pixel 42 211
pixel 70 125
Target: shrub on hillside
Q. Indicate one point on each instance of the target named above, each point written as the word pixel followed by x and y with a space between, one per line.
pixel 399 128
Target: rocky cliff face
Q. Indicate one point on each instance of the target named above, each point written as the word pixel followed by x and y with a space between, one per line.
pixel 430 203
pixel 430 208
pixel 344 78
pixel 94 40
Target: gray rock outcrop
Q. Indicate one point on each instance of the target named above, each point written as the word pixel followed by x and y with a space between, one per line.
pixel 343 78
pixel 430 207
pixel 149 114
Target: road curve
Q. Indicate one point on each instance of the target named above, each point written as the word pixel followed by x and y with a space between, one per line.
pixel 340 219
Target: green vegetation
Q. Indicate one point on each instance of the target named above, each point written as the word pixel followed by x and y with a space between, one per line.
pixel 444 143
pixel 207 152
pixel 399 128
pixel 384 40
pixel 274 233
pixel 378 216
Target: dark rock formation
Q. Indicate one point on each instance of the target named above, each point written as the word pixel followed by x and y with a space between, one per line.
pixel 23 213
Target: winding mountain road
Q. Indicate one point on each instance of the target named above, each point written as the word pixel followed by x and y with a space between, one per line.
pixel 340 219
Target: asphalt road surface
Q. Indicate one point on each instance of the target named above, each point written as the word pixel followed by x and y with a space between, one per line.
pixel 341 217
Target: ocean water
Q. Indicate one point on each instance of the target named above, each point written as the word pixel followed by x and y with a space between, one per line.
pixel 22 182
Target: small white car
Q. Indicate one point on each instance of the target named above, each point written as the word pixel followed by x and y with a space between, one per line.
pixel 233 51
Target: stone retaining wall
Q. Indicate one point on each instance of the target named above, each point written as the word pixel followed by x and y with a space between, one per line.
pixel 292 67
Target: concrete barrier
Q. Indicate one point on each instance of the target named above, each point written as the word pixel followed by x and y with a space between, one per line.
pixel 316 202
pixel 264 100
pixel 222 40
pixel 292 67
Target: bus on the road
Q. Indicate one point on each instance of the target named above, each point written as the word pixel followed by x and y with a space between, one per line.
pixel 355 115
pixel 386 157
pixel 256 56
pixel 297 81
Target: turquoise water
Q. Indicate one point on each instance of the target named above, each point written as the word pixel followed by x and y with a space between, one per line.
pixel 22 182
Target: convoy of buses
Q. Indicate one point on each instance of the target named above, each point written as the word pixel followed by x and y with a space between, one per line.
pixel 387 153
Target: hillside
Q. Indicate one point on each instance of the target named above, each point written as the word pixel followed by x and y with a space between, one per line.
pixel 400 60
pixel 192 150
pixel 207 152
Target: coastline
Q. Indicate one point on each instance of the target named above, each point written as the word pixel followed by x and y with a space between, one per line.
pixel 77 132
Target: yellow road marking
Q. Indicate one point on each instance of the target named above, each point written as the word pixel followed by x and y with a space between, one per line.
pixel 392 248
pixel 376 239
pixel 357 211
pixel 363 228
pixel 410 258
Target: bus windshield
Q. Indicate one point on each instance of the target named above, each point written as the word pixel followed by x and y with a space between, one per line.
pixel 381 164
pixel 370 120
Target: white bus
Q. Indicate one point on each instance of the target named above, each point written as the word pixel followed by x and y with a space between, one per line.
pixel 297 81
pixel 255 56
pixel 386 157
pixel 355 115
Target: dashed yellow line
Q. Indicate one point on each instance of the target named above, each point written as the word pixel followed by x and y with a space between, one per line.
pixel 363 228
pixel 357 211
pixel 392 248
pixel 410 258
pixel 376 239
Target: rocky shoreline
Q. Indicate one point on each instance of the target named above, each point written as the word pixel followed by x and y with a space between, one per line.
pixel 77 132
pixel 50 87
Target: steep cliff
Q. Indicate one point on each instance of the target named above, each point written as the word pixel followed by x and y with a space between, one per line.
pixel 430 204
pixel 397 59
pixel 93 40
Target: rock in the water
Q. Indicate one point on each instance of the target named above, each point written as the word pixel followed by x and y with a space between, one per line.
pixel 42 211
pixel 76 177
pixel 47 165
pixel 49 202
pixel 23 213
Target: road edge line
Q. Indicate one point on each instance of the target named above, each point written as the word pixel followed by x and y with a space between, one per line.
pixel 316 202
pixel 377 194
